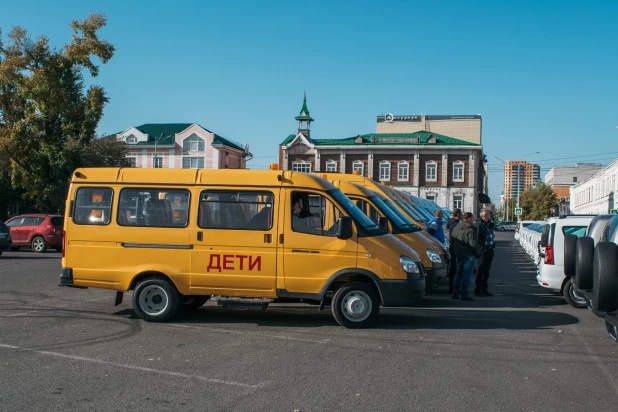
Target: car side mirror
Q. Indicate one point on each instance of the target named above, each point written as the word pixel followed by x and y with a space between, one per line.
pixel 383 223
pixel 344 228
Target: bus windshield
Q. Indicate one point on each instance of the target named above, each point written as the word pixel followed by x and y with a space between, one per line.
pixel 392 216
pixel 359 217
pixel 403 217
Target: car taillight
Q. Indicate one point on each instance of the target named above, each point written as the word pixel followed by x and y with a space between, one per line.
pixel 52 227
pixel 549 254
pixel 64 243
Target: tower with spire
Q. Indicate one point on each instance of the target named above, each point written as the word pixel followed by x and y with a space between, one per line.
pixel 304 119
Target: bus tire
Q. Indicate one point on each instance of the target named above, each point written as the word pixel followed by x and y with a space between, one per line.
pixel 356 305
pixel 192 303
pixel 155 299
pixel 605 269
pixel 584 256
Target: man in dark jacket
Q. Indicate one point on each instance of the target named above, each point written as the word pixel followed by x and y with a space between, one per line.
pixel 486 241
pixel 466 251
pixel 452 222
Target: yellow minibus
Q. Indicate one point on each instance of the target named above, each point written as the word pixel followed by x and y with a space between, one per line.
pixel 244 238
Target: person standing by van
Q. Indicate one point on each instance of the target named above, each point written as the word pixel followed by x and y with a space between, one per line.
pixel 466 251
pixel 486 241
pixel 434 226
pixel 452 223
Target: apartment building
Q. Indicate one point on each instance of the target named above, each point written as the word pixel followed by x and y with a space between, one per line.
pixel 596 194
pixel 520 175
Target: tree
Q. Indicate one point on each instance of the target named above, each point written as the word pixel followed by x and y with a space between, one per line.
pixel 538 203
pixel 48 118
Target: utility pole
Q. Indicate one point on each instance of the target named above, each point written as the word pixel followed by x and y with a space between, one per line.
pixel 156 158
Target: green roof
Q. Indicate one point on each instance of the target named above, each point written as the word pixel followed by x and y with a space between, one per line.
pixel 169 131
pixel 420 138
pixel 304 111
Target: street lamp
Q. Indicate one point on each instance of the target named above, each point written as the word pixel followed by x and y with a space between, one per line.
pixel 518 175
pixel 156 158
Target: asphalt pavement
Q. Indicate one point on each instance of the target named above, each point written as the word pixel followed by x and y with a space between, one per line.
pixel 524 349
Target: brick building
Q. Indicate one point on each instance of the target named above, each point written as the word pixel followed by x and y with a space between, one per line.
pixel 444 169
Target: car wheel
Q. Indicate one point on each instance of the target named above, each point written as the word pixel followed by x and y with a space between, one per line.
pixel 156 300
pixel 605 284
pixel 38 244
pixel 356 305
pixel 192 303
pixel 584 255
pixel 572 299
pixel 15 248
pixel 569 255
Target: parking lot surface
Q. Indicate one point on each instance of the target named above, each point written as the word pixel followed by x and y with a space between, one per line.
pixel 524 349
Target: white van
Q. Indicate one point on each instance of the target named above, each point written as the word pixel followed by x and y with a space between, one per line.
pixel 550 272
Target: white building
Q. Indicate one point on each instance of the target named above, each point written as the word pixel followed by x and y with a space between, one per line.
pixel 596 194
pixel 182 145
pixel 571 175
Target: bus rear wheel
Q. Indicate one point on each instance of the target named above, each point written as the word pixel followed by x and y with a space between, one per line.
pixel 156 300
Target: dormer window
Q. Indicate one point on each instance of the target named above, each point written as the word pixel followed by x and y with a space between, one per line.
pixel 131 140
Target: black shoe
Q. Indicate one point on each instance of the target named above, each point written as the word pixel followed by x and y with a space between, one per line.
pixel 467 298
pixel 486 293
pixel 479 293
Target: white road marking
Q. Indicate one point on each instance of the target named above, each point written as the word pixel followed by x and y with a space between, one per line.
pixel 264 335
pixel 137 368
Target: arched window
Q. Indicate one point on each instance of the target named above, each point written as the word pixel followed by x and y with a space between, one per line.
pixel 431 171
pixel 193 143
pixel 403 171
pixel 458 171
pixel 358 166
pixel 385 171
pixel 331 166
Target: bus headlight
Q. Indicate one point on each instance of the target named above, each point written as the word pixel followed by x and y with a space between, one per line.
pixel 433 256
pixel 408 265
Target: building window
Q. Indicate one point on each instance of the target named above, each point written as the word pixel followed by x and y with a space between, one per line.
pixel 431 198
pixel 574 179
pixel 157 162
pixel 385 171
pixel 358 166
pixel 431 171
pixel 192 162
pixel 131 140
pixel 458 172
pixel 304 167
pixel 458 202
pixel 403 169
pixel 331 166
pixel 193 143
pixel 132 161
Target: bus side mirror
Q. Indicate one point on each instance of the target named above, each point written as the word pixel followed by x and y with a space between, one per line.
pixel 344 228
pixel 383 223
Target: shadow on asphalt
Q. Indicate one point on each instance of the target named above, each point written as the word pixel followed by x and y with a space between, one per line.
pixel 393 318
pixel 29 256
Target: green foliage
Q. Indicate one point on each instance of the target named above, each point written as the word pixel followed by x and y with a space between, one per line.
pixel 48 118
pixel 537 203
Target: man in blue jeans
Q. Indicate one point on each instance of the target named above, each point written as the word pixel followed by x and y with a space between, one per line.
pixel 466 251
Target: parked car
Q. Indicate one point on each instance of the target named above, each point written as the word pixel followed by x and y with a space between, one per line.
pixel 504 226
pixel 529 239
pixel 5 238
pixel 604 297
pixel 522 224
pixel 38 231
pixel 579 252
pixel 550 272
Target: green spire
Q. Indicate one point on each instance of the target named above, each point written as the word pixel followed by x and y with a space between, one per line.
pixel 304 111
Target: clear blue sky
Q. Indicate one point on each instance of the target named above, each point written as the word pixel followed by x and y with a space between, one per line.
pixel 543 74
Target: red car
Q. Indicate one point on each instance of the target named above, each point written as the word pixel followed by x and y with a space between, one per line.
pixel 38 231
